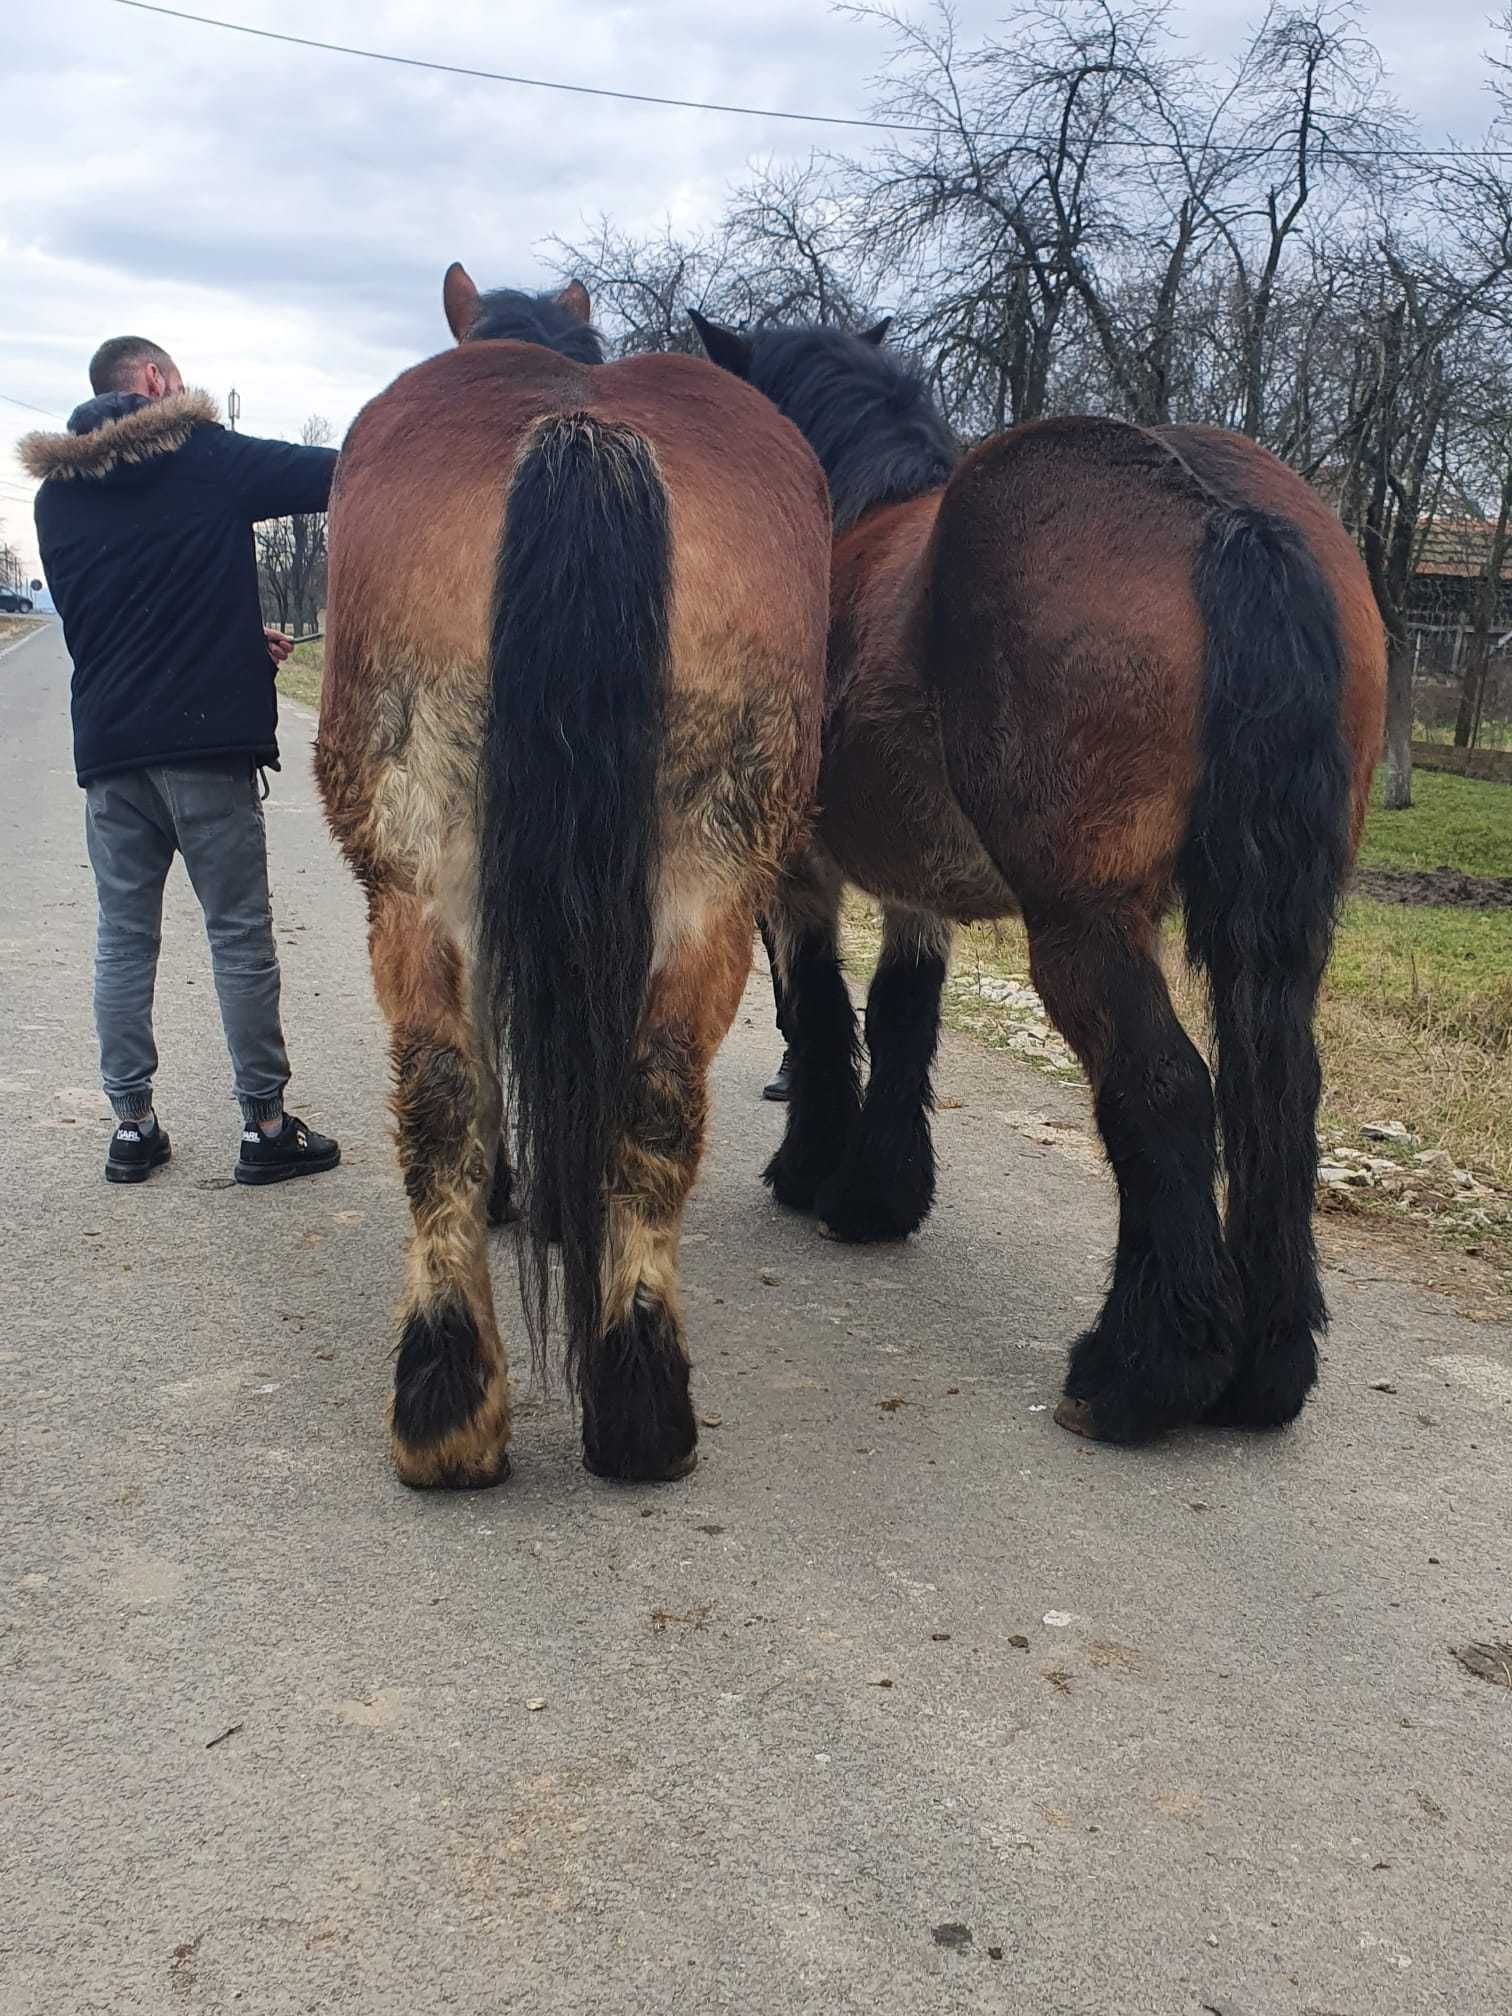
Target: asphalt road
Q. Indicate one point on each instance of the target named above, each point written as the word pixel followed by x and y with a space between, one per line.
pixel 905 1702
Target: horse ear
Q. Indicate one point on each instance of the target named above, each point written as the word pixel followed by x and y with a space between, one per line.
pixel 574 298
pixel 459 297
pixel 878 331
pixel 725 347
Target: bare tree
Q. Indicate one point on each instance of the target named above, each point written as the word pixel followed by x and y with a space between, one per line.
pixel 1484 433
pixel 1309 121
pixel 1076 215
pixel 780 255
pixel 641 288
pixel 291 555
pixel 793 236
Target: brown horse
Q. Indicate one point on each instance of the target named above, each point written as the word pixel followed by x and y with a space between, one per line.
pixel 569 728
pixel 1088 670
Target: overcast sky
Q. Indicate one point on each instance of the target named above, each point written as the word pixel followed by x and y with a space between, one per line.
pixel 280 218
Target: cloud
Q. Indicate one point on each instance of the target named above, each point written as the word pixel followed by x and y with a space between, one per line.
pixel 280 218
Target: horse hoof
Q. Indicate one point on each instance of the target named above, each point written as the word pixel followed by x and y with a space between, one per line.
pixel 866 1206
pixel 867 1221
pixel 793 1186
pixel 420 1470
pixel 683 1467
pixel 1078 1417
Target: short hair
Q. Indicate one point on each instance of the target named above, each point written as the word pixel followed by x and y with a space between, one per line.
pixel 113 363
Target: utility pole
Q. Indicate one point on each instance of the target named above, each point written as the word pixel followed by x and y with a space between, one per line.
pixel 233 408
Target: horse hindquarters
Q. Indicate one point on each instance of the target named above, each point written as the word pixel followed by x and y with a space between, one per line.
pixel 1146 684
pixel 1067 664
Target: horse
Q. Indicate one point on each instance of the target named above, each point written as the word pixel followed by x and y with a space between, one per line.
pixel 1085 670
pixel 569 729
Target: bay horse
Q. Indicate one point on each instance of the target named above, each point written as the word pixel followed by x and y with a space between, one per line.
pixel 569 729
pixel 1086 670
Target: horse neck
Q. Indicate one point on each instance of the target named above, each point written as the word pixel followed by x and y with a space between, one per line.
pixel 886 541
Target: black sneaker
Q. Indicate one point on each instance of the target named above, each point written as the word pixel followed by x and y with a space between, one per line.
pixel 296 1150
pixel 781 1086
pixel 133 1155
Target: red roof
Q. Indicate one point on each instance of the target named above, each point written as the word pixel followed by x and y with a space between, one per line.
pixel 1460 547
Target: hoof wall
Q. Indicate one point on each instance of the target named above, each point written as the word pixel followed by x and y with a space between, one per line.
pixel 1077 1417
pixel 684 1467
pixel 421 1476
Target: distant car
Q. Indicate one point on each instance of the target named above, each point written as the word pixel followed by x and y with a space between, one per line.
pixel 13 604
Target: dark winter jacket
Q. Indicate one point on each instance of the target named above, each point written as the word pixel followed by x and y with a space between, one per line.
pixel 145 520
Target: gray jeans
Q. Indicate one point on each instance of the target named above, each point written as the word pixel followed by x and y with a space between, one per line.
pixel 212 815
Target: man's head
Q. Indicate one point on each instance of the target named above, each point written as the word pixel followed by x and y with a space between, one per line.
pixel 132 364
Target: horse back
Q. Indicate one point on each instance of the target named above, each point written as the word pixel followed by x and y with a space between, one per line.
pixel 425 471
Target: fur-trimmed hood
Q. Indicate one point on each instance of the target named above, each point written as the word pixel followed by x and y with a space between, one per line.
pixel 99 443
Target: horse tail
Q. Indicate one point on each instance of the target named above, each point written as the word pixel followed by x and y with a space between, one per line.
pixel 568 830
pixel 1261 872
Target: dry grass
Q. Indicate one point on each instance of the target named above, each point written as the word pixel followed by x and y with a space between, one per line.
pixel 13 628
pixel 1416 1019
pixel 299 675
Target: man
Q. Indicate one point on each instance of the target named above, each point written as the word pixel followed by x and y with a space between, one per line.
pixel 145 520
pixel 780 1086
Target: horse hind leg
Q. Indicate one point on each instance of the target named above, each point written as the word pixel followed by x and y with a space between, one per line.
pixel 450 1420
pixel 885 1185
pixel 1162 1350
pixel 819 1029
pixel 638 1420
pixel 502 1208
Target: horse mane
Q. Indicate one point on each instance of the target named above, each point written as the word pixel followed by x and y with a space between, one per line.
pixel 509 314
pixel 866 413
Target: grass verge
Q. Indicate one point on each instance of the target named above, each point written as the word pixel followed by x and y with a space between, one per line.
pixel 299 674
pixel 1452 822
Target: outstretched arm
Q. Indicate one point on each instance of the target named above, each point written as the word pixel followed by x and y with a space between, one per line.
pixel 276 479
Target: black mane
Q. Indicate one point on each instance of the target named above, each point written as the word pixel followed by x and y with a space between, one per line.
pixel 509 314
pixel 866 413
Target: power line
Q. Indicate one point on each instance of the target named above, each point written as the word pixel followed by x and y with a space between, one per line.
pixel 509 77
pixel 27 404
pixel 1164 147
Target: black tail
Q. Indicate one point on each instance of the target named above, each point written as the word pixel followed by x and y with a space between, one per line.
pixel 1261 873
pixel 567 849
